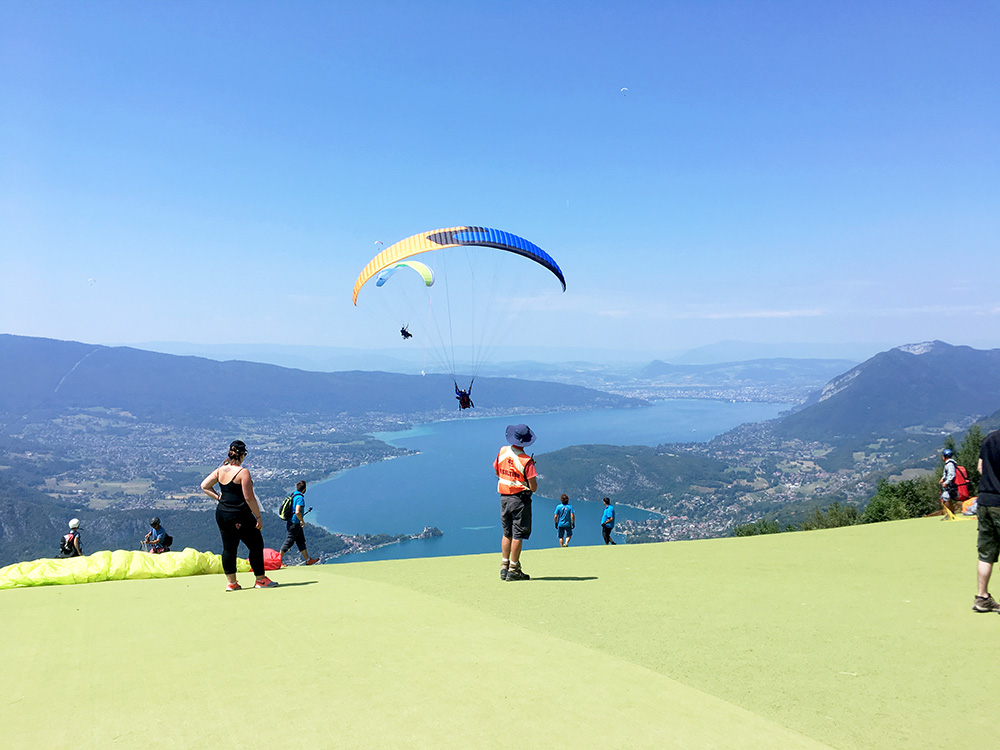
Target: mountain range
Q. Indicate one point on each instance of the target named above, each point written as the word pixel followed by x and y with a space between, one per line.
pixel 932 386
pixel 911 395
pixel 49 376
pixel 789 372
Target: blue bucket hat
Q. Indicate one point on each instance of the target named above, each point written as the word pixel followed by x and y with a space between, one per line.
pixel 520 434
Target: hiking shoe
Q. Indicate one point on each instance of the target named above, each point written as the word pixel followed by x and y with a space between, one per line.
pixel 265 583
pixel 503 574
pixel 985 604
pixel 312 561
pixel 516 574
pixel 233 587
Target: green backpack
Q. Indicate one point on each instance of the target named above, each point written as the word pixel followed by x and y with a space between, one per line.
pixel 287 508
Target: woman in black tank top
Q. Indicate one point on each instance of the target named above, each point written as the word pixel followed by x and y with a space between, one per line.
pixel 237 515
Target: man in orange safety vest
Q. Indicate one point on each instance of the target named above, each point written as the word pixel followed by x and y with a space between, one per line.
pixel 516 480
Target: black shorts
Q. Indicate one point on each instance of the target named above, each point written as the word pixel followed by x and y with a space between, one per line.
pixel 988 544
pixel 515 516
pixel 296 536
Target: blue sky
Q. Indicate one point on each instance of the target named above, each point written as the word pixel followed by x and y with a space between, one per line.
pixel 776 172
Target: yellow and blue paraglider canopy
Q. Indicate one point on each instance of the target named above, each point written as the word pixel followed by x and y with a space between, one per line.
pixel 455 237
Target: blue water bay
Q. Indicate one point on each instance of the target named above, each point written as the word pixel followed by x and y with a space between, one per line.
pixel 450 483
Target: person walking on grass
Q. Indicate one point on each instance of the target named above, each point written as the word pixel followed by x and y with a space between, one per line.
pixel 608 521
pixel 296 526
pixel 988 543
pixel 565 520
pixel 238 516
pixel 516 480
pixel 949 492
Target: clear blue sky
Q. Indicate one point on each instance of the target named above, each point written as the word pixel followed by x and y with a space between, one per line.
pixel 776 172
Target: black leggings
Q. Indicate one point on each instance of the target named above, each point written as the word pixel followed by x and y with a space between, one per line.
pixel 235 527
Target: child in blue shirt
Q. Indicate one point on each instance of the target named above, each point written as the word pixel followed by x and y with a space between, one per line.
pixel 565 520
pixel 608 521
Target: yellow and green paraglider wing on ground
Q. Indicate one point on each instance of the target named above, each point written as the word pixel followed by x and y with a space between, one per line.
pixel 114 565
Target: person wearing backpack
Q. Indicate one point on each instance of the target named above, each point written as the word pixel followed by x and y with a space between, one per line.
pixel 293 512
pixel 949 492
pixel 69 545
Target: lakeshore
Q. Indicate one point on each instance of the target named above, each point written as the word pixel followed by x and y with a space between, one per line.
pixel 446 479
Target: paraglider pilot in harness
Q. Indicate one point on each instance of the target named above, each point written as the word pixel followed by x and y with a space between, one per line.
pixel 464 397
pixel 405 333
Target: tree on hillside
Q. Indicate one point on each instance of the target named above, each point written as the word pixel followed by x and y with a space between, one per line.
pixel 911 498
pixel 757 528
pixel 834 516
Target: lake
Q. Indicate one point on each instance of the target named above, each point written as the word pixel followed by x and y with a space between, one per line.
pixel 450 482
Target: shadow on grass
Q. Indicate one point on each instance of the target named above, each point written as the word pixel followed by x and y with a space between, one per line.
pixel 295 583
pixel 564 578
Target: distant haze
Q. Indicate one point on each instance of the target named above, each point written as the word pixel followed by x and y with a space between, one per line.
pixel 408 357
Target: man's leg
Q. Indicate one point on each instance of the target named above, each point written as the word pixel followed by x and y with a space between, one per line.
pixel 988 547
pixel 983 572
pixel 515 551
pixel 289 540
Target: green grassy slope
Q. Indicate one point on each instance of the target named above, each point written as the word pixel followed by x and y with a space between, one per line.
pixel 849 638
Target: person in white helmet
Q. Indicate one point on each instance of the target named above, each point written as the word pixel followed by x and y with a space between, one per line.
pixel 69 545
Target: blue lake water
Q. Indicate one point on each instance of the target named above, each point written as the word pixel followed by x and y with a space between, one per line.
pixel 450 482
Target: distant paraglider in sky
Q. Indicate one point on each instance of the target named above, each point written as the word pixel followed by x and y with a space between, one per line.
pixel 425 273
pixel 624 92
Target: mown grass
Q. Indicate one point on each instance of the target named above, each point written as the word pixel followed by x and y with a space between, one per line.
pixel 859 637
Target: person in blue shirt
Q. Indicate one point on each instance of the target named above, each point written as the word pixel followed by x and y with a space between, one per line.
pixel 565 520
pixel 608 521
pixel 296 526
pixel 156 538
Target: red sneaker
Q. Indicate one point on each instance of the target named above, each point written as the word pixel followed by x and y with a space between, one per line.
pixel 233 587
pixel 312 561
pixel 265 583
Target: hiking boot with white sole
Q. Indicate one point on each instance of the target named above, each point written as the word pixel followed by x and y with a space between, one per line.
pixel 985 604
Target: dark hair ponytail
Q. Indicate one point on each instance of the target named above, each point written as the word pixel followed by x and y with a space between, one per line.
pixel 237 450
